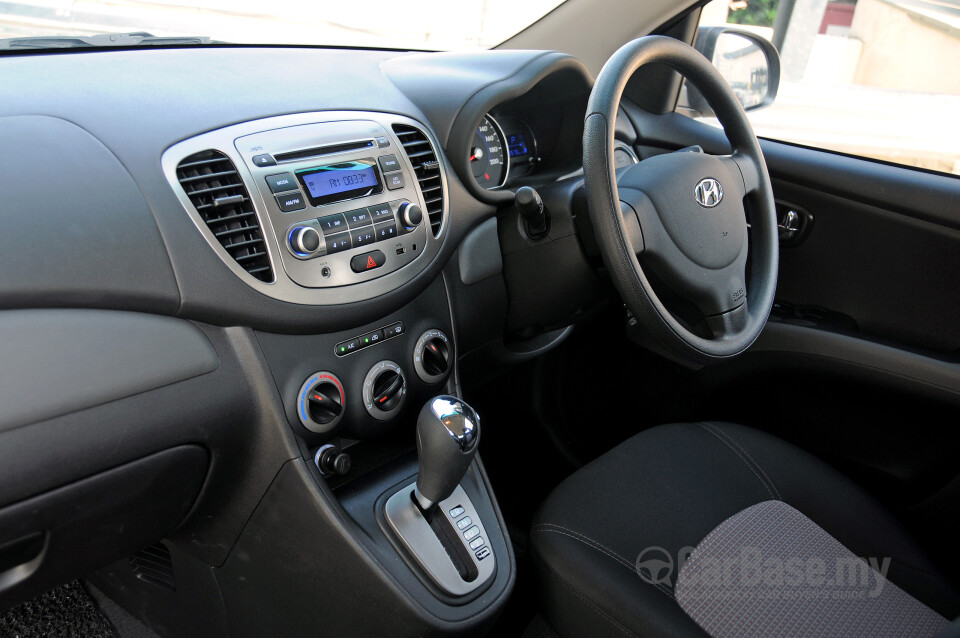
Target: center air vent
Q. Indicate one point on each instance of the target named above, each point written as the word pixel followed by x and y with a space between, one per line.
pixel 425 164
pixel 212 183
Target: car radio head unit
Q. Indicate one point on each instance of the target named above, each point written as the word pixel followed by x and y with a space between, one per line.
pixel 335 195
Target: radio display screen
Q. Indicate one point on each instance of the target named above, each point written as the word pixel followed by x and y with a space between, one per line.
pixel 337 182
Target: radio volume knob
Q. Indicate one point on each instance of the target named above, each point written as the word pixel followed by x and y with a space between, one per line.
pixel 410 215
pixel 305 240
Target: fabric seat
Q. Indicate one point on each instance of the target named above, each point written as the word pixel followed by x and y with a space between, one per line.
pixel 611 542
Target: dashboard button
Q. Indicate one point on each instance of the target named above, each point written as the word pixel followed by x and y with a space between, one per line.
pixel 357 218
pixel 394 181
pixel 363 236
pixel 368 261
pixel 389 163
pixel 383 142
pixel 291 202
pixel 263 160
pixel 371 338
pixel 385 231
pixel 333 224
pixel 395 330
pixel 347 347
pixel 281 182
pixel 381 212
pixel 338 243
pixel 471 533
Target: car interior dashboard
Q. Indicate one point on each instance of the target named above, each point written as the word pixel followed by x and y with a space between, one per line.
pixel 234 276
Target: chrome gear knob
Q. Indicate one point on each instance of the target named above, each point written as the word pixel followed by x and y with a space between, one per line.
pixel 448 433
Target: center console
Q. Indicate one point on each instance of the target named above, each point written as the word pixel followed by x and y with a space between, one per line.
pixel 379 518
pixel 388 497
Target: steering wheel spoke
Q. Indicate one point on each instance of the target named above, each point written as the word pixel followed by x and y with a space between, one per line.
pixel 748 170
pixel 729 323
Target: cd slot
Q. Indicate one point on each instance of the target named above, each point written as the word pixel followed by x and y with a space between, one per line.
pixel 324 150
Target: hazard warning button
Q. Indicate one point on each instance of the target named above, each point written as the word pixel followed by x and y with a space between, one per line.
pixel 368 261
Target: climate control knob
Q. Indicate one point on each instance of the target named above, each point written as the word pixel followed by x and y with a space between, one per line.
pixel 410 215
pixel 320 402
pixel 305 240
pixel 432 356
pixel 384 390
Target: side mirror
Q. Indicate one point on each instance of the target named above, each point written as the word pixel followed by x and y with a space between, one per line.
pixel 749 63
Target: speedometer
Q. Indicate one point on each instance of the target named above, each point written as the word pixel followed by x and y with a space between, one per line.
pixel 488 157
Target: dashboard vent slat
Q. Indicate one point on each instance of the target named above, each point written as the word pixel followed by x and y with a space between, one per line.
pixel 218 194
pixel 425 163
pixel 154 565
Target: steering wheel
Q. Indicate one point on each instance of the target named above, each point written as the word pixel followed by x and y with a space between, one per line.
pixel 693 235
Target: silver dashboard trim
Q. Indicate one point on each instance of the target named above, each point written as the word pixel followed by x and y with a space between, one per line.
pixel 284 288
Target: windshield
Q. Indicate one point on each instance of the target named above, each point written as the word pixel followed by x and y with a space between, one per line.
pixel 403 24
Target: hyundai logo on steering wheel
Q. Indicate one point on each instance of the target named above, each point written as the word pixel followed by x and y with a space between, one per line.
pixel 708 192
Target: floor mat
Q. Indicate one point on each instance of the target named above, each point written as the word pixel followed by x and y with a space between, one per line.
pixel 64 612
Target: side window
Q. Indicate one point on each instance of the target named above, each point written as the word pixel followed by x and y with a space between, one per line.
pixel 876 78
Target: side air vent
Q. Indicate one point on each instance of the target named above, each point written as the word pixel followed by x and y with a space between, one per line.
pixel 212 183
pixel 154 565
pixel 427 168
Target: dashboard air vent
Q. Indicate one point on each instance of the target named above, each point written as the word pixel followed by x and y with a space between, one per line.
pixel 154 565
pixel 425 164
pixel 212 183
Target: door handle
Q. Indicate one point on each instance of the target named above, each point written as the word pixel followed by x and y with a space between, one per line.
pixel 793 223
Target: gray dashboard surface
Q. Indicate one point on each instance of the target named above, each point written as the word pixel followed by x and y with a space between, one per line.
pixel 75 227
pixel 61 361
pixel 137 103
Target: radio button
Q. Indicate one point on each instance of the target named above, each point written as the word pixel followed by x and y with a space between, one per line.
pixel 389 163
pixel 368 261
pixel 383 142
pixel 386 231
pixel 338 243
pixel 363 236
pixel 357 218
pixel 394 181
pixel 291 202
pixel 333 224
pixel 281 182
pixel 381 212
pixel 263 160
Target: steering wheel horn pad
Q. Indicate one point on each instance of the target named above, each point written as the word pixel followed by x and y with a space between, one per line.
pixel 695 241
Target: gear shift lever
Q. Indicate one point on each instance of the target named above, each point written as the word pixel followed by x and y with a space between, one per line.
pixel 448 431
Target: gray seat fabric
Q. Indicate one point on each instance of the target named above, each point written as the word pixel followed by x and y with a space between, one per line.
pixel 771 571
pixel 609 540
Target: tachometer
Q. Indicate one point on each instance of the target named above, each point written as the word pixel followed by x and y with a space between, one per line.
pixel 488 157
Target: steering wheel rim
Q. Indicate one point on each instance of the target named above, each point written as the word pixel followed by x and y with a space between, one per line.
pixel 690 245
